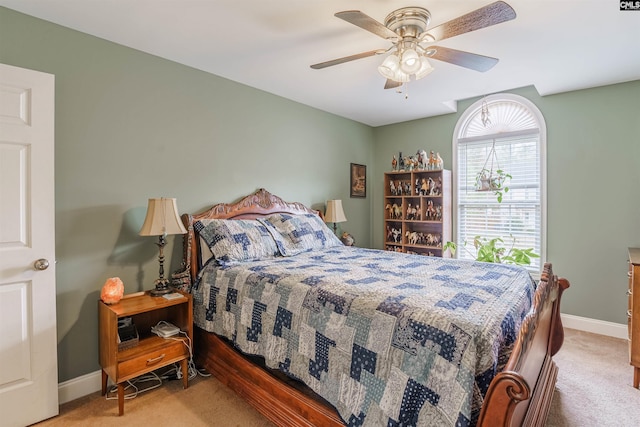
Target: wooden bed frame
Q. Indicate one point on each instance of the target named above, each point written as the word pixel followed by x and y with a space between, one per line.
pixel 519 395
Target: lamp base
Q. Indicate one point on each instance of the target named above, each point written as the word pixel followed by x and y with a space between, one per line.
pixel 162 288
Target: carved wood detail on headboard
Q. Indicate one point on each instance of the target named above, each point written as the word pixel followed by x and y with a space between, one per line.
pixel 259 204
pixel 252 206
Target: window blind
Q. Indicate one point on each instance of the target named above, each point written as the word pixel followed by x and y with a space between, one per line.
pixel 479 212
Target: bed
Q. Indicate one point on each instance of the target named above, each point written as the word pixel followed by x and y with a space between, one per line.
pixel 314 333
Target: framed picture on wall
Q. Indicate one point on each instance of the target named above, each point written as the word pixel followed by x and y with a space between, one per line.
pixel 358 180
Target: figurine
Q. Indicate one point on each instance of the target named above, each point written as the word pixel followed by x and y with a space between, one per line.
pixel 432 160
pixel 397 235
pixel 405 163
pixel 424 188
pixel 347 239
pixel 411 212
pixel 412 237
pixel 432 187
pixel 408 163
pixel 438 213
pixel 439 162
pixel 422 159
pixel 395 212
pixel 394 163
pixel 438 187
pixel 413 163
pixel 431 212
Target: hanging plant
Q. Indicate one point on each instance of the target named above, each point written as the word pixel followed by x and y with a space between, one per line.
pixel 487 180
pixel 490 179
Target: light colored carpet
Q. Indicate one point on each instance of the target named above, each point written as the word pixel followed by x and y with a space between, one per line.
pixel 595 383
pixel 206 402
pixel 594 389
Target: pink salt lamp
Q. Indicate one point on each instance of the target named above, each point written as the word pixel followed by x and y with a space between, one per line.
pixel 112 290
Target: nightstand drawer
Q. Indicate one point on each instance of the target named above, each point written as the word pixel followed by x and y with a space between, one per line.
pixel 172 351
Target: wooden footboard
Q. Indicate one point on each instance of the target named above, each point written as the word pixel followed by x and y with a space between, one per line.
pixel 521 394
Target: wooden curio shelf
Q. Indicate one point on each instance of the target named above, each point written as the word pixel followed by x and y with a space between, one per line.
pixel 417 216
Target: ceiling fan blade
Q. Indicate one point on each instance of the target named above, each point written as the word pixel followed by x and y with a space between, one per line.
pixel 345 59
pixel 472 61
pixel 492 14
pixel 366 22
pixel 391 84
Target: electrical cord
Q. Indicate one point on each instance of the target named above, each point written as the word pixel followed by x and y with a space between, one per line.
pixel 192 371
pixel 151 376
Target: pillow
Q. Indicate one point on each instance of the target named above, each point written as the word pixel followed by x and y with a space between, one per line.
pixel 236 240
pixel 205 252
pixel 294 234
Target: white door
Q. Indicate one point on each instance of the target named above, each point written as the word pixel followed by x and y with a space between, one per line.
pixel 28 354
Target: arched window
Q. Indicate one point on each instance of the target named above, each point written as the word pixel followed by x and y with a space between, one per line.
pixel 513 139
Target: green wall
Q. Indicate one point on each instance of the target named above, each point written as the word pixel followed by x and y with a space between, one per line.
pixel 130 126
pixel 593 191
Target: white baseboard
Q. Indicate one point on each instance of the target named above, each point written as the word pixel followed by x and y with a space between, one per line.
pixel 92 382
pixel 79 387
pixel 595 326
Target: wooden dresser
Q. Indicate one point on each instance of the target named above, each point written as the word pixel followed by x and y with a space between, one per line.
pixel 634 313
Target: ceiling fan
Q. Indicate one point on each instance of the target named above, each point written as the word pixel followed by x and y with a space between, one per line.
pixel 406 29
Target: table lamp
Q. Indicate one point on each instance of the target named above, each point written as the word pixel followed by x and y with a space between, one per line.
pixel 334 214
pixel 162 219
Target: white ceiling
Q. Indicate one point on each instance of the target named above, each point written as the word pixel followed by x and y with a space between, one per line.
pixel 555 45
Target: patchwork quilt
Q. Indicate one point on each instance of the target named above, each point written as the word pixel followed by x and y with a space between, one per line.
pixel 389 339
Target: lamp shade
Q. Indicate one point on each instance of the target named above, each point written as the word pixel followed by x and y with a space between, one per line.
pixel 425 68
pixel 162 218
pixel 389 66
pixel 334 212
pixel 410 61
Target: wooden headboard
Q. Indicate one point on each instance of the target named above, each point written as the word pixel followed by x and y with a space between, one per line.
pixel 256 205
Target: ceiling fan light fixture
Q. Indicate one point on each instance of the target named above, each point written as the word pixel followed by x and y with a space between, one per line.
pixel 401 77
pixel 410 62
pixel 425 68
pixel 389 67
pixel 407 28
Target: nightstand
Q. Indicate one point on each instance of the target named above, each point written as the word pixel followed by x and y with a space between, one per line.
pixel 122 363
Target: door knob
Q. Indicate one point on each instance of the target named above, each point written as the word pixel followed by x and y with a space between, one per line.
pixel 41 264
